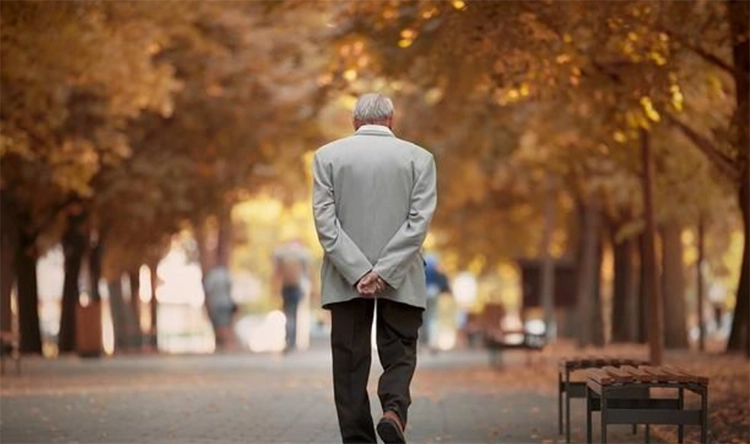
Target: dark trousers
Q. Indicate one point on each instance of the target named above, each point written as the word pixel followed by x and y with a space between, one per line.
pixel 291 295
pixel 397 333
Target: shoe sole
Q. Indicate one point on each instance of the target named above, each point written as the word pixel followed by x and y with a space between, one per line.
pixel 390 432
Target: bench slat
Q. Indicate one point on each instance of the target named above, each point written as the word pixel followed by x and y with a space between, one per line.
pixel 596 361
pixel 600 376
pixel 617 374
pixel 658 374
pixel 688 377
pixel 644 374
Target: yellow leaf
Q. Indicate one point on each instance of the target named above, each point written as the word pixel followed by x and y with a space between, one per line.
pixel 350 75
pixel 648 108
pixel 458 4
pixel 405 43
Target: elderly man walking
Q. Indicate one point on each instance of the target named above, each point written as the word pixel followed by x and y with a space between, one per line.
pixel 373 199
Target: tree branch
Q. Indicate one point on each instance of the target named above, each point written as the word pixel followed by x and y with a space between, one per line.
pixel 721 161
pixel 696 48
pixel 52 215
pixel 704 54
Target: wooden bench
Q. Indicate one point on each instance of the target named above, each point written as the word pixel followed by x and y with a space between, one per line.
pixel 567 389
pixel 608 390
pixel 10 344
pixel 497 339
pixel 514 339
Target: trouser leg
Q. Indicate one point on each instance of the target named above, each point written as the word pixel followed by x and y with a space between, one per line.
pixel 397 334
pixel 292 296
pixel 291 324
pixel 351 325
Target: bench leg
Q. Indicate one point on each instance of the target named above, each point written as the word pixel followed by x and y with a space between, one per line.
pixel 603 413
pixel 559 402
pixel 704 416
pixel 567 406
pixel 680 427
pixel 647 434
pixel 589 425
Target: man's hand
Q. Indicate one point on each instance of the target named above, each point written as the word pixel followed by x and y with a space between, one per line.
pixel 371 284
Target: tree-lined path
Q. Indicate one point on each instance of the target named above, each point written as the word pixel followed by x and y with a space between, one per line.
pixel 255 399
pixel 593 162
pixel 264 398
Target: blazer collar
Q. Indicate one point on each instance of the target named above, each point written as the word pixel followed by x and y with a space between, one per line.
pixel 374 130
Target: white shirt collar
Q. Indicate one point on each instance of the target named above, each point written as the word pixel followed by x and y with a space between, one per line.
pixel 374 129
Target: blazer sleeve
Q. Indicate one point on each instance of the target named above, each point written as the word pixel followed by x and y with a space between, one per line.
pixel 338 246
pixel 393 261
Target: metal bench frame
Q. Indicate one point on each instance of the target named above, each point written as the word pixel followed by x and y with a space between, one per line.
pixel 531 341
pixel 616 404
pixel 567 389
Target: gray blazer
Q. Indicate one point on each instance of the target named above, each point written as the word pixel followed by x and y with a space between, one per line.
pixel 373 200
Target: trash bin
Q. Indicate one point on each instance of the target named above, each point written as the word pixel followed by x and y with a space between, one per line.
pixel 89 330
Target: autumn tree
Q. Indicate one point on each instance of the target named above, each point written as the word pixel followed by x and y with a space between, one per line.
pixel 614 69
pixel 155 115
pixel 86 73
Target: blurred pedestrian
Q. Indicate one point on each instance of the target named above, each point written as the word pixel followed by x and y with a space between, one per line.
pixel 221 307
pixel 373 200
pixel 291 270
pixel 437 284
pixel 717 296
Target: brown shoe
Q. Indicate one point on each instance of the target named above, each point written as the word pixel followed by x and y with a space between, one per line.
pixel 390 429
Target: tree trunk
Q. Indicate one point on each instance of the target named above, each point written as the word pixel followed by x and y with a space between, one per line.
pixel 739 338
pixel 96 253
pixel 74 246
pixel 119 318
pixel 8 254
pixel 738 14
pixel 547 275
pixel 673 285
pixel 742 309
pixel 587 293
pixel 95 266
pixel 742 57
pixel 204 251
pixel 568 327
pixel 643 292
pixel 154 305
pixel 699 284
pixel 135 309
pixel 624 297
pixel 28 296
pixel 634 301
pixel 655 307
pixel 224 240
pixel 598 337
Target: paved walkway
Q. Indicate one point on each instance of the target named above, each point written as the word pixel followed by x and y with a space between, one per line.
pixel 246 398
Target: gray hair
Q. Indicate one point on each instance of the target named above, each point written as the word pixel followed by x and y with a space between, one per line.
pixel 373 107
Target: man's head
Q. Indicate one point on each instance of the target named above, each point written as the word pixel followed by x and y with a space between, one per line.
pixel 373 109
